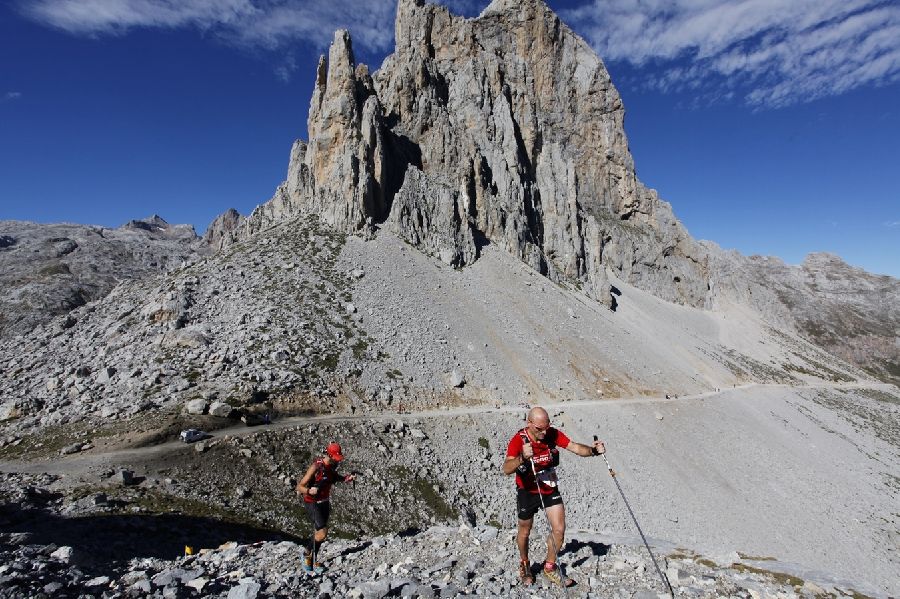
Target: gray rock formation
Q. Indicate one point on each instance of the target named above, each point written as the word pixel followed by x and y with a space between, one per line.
pixel 507 130
pixel 230 325
pixel 48 270
pixel 432 217
pixel 510 128
pixel 224 230
pixel 853 314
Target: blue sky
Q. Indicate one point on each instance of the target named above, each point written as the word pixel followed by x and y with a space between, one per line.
pixel 771 126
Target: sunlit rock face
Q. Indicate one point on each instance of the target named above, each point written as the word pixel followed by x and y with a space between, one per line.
pixel 510 123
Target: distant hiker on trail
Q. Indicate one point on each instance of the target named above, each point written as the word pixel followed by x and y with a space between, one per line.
pixel 315 488
pixel 534 450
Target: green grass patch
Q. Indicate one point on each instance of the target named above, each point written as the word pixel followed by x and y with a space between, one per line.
pixel 50 439
pixel 359 349
pixel 780 577
pixel 328 361
pixel 879 395
pixel 756 558
pixel 424 489
pixel 854 594
pixel 680 554
pixel 57 268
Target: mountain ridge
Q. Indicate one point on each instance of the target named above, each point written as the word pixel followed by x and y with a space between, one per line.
pixel 450 140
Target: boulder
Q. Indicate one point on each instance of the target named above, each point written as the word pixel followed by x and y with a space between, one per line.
pixel 456 378
pixel 63 554
pixel 220 409
pixel 127 478
pixel 8 410
pixel 196 406
pixel 245 590
pixel 104 375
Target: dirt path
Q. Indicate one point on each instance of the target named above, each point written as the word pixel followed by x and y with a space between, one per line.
pixel 79 465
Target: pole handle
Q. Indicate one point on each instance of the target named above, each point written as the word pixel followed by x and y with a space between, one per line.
pixel 612 472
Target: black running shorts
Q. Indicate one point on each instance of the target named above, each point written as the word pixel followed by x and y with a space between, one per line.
pixel 318 513
pixel 528 504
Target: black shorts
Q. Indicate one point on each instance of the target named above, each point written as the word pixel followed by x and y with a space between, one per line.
pixel 528 504
pixel 318 513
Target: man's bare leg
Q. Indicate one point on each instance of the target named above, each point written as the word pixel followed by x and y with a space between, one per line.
pixel 556 514
pixel 522 537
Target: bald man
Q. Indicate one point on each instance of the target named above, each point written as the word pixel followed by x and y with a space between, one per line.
pixel 534 449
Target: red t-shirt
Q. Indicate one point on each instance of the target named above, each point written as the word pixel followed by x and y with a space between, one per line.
pixel 543 460
pixel 324 478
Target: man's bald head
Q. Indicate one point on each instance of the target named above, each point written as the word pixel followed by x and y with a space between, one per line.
pixel 538 416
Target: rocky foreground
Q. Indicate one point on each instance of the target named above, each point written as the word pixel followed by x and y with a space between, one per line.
pixel 715 480
pixel 442 561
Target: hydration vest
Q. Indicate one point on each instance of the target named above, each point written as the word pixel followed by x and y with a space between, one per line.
pixel 545 465
pixel 324 478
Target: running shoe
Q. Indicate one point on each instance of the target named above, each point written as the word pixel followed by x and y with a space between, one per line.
pixel 525 574
pixel 552 573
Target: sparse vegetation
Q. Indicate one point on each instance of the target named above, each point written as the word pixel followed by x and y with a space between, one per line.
pixel 359 349
pixel 58 268
pixel 780 577
pixel 756 558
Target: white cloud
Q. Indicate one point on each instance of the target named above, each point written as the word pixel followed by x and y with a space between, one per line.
pixel 893 223
pixel 9 96
pixel 370 23
pixel 258 23
pixel 766 52
pixel 117 16
pixel 286 69
pixel 779 52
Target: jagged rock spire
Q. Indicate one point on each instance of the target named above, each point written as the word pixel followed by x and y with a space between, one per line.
pixel 517 132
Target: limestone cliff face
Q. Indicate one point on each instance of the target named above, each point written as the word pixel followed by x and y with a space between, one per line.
pixel 510 124
pixel 224 230
pixel 339 173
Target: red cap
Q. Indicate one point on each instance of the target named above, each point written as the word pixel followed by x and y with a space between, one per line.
pixel 334 452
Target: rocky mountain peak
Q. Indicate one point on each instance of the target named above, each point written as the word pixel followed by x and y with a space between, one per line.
pixel 157 227
pixel 502 129
pixel 523 7
pixel 153 223
pixel 824 259
pixel 506 130
pixel 224 229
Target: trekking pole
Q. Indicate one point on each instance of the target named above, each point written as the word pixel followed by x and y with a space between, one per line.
pixel 662 576
pixel 562 574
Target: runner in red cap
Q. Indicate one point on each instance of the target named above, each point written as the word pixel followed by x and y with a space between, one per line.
pixel 315 488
